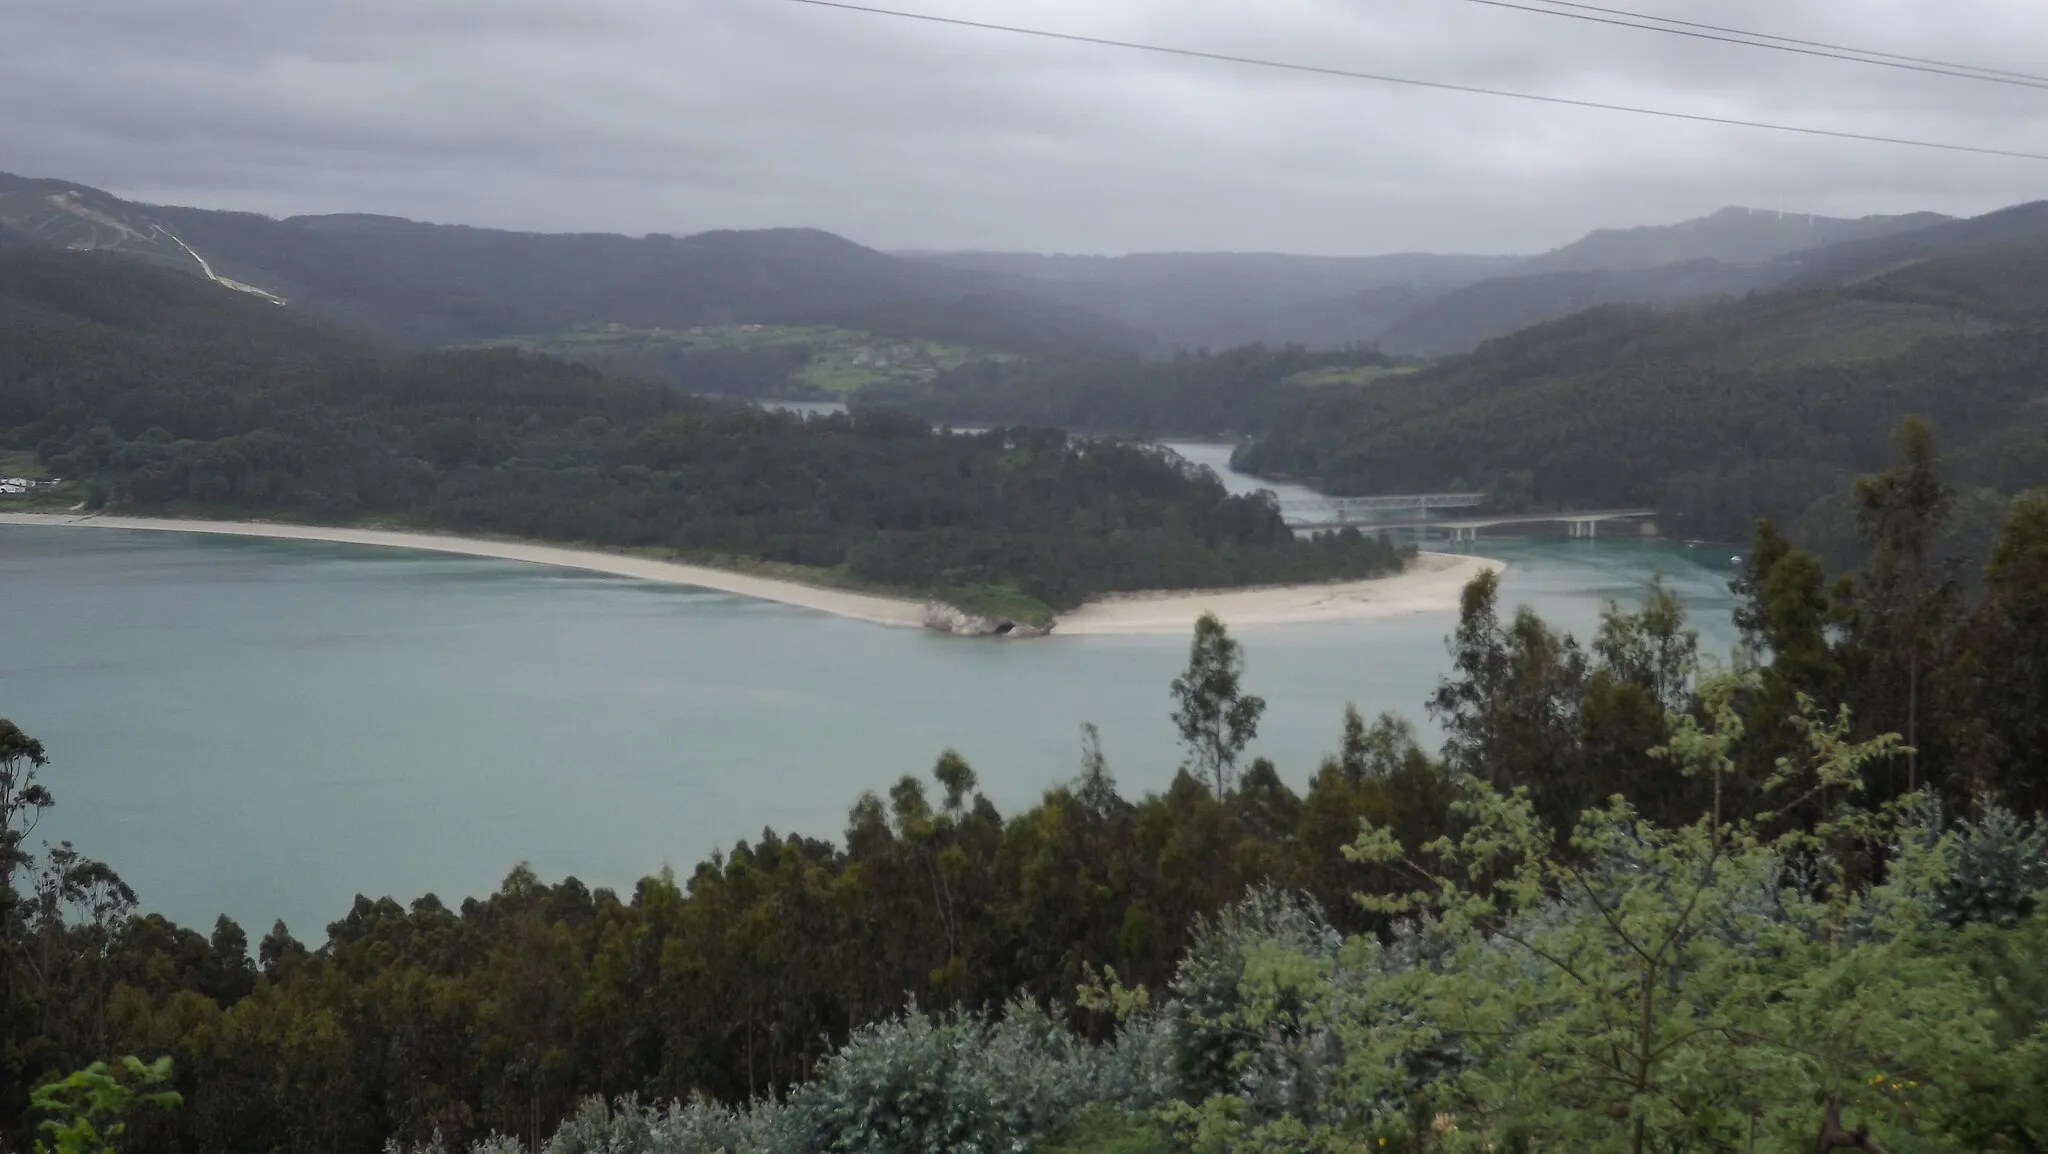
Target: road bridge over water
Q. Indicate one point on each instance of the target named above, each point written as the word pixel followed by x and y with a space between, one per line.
pixel 1419 504
pixel 1434 512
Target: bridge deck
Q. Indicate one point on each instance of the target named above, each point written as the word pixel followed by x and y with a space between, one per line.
pixel 1484 521
pixel 1421 501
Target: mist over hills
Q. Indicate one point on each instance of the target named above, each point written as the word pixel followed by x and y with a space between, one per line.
pixel 2020 224
pixel 1731 236
pixel 1427 304
pixel 1312 273
pixel 1462 318
pixel 428 285
pixel 1217 300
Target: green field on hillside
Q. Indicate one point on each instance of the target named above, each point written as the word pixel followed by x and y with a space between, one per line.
pixel 823 358
pixel 1347 375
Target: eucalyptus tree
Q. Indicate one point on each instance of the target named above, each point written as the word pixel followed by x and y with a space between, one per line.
pixel 1214 715
pixel 23 798
pixel 1900 604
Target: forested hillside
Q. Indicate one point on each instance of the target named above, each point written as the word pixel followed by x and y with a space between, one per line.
pixel 1734 236
pixel 2023 225
pixel 1457 320
pixel 1237 391
pixel 425 285
pixel 1713 414
pixel 159 392
pixel 1632 904
pixel 1728 254
pixel 433 285
pixel 832 354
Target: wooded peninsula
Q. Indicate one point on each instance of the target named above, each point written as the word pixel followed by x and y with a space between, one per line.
pixel 158 393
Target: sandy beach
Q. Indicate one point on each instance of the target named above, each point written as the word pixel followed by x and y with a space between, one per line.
pixel 860 606
pixel 1432 583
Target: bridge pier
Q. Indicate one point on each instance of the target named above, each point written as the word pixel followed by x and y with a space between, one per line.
pixel 1583 527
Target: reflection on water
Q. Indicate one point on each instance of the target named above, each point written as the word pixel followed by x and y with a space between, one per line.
pixel 269 727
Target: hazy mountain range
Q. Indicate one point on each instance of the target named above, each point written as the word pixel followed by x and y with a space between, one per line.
pixel 1428 304
pixel 428 284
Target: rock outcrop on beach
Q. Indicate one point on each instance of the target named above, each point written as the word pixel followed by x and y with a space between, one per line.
pixel 952 619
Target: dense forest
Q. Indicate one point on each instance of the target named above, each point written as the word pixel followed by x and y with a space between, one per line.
pixel 1714 414
pixel 1638 901
pixel 1238 391
pixel 769 372
pixel 157 392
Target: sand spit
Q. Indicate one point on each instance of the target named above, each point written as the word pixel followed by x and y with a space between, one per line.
pixel 1432 583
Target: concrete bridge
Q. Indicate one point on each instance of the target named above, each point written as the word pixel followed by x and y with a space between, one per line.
pixel 1583 523
pixel 1419 504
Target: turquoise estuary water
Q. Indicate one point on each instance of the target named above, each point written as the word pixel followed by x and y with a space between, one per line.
pixel 268 728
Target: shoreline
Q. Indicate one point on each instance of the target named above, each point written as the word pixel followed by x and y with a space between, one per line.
pixel 1432 583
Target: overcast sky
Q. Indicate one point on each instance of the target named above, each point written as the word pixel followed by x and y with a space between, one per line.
pixel 684 115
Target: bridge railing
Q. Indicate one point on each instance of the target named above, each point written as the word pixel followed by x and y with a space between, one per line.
pixel 1417 502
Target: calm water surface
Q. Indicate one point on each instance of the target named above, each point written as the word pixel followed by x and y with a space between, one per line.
pixel 268 728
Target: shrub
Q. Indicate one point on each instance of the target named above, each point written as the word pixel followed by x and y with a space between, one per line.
pixel 1996 872
pixel 960 1084
pixel 1240 1018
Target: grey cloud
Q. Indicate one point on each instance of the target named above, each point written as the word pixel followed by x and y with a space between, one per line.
pixel 682 115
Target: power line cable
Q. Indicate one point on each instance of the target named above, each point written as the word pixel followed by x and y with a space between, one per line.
pixel 1439 85
pixel 1622 19
pixel 1861 52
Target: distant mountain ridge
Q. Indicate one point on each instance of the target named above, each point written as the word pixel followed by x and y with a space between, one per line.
pixel 1427 304
pixel 1457 320
pixel 1731 236
pixel 427 285
pixel 2020 224
pixel 1219 300
pixel 438 284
